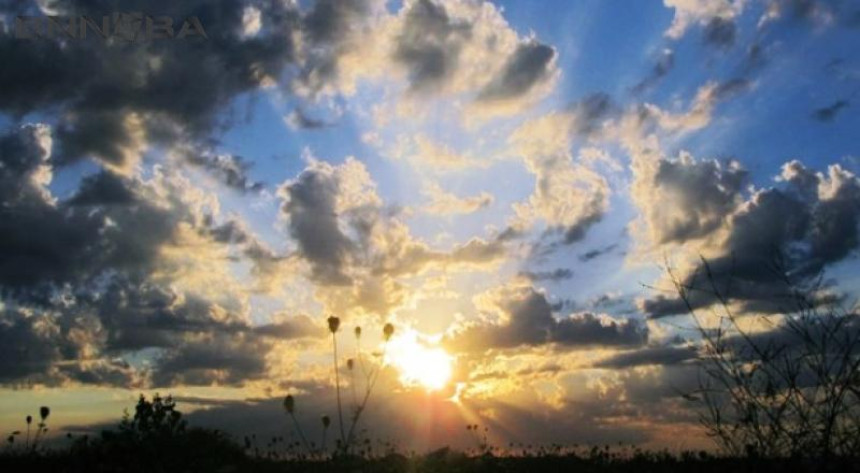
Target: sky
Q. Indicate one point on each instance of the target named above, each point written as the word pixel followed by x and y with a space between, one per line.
pixel 512 185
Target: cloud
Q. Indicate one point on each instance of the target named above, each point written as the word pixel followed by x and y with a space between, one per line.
pixel 828 114
pixel 688 198
pixel 314 203
pixel 700 110
pixel 105 273
pixel 558 274
pixel 429 44
pixel 651 355
pixel 426 153
pixel 298 119
pixel 525 317
pixel 446 203
pixel 596 253
pixel 531 64
pixel 720 33
pixel 356 246
pixel 819 13
pixel 701 12
pixel 114 100
pixel 231 170
pixel 460 49
pixel 790 232
pixel 569 196
pixel 664 64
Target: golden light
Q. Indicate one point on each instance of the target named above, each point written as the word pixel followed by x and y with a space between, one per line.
pixel 419 362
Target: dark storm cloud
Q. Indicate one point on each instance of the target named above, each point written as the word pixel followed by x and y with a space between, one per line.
pixel 173 89
pixel 430 44
pixel 719 33
pixel 529 320
pixel 529 65
pixel 787 233
pixel 828 114
pixel 664 64
pixel 559 274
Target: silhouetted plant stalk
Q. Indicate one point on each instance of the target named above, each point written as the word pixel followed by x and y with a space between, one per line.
pixel 29 421
pixel 290 407
pixel 350 366
pixel 326 422
pixel 41 427
pixel 370 382
pixel 333 325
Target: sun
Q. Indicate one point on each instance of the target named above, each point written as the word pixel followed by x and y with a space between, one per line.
pixel 419 362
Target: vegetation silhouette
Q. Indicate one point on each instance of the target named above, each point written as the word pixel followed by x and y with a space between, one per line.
pixel 782 384
pixel 346 444
pixel 784 404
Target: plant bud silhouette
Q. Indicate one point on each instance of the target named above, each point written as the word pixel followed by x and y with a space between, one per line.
pixel 350 364
pixel 289 404
pixel 29 420
pixel 333 324
pixel 44 412
pixel 326 421
pixel 357 331
pixel 388 331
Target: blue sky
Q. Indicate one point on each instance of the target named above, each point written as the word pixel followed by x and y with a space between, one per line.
pixel 504 181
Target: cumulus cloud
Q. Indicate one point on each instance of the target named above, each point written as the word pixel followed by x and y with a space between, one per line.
pixel 430 44
pixel 701 12
pixel 688 198
pixel 569 196
pixel 114 99
pixel 519 315
pixel 781 235
pixel 530 65
pixel 83 277
pixel 458 48
pixel 356 246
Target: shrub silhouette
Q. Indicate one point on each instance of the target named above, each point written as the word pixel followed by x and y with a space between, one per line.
pixel 156 438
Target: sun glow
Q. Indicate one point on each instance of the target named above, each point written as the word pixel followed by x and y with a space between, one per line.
pixel 419 362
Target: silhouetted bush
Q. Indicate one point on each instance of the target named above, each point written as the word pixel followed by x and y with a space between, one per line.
pixel 790 388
